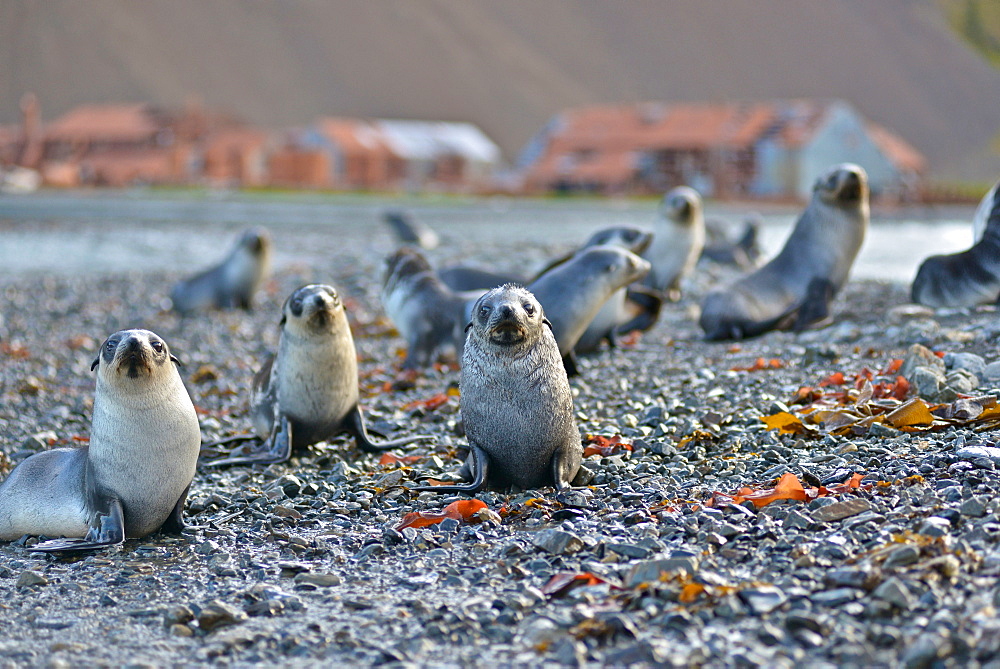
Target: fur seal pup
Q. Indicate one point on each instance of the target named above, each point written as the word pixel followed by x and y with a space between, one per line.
pixel 628 309
pixel 795 288
pixel 968 278
pixel 678 238
pixel 308 391
pixel 409 230
pixel 515 398
pixel 574 292
pixel 133 477
pixel 427 314
pixel 233 282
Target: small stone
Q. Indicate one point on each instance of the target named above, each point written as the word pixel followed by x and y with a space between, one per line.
pixel 207 548
pixel 650 570
pixel 923 652
pixel 977 452
pixel 935 526
pixel 290 484
pixel 852 577
pixel 584 477
pixel 962 381
pixel 216 614
pixel 905 312
pixel 286 512
pixel 841 509
pixel 29 578
pixel 319 580
pixel 974 506
pixel 178 615
pixel 630 550
pixel 763 599
pixel 895 592
pixel 927 382
pixel 181 630
pixel 50 624
pixel 557 542
pixel 920 356
pixel 991 372
pixel 969 362
pixel 903 555
pixel 576 499
pixel 797 520
pixel 835 597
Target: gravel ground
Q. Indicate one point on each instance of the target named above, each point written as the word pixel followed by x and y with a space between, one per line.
pixel 300 564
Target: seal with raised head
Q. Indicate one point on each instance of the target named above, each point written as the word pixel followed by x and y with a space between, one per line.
pixel 678 238
pixel 795 288
pixel 515 398
pixel 427 314
pixel 133 477
pixel 408 230
pixel 574 292
pixel 971 277
pixel 308 391
pixel 232 283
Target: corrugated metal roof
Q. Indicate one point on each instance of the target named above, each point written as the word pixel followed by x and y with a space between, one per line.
pixel 120 123
pixel 427 140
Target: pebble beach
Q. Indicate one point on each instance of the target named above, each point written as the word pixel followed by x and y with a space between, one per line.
pixel 722 524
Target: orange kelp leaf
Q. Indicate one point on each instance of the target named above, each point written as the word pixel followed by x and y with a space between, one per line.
pixel 430 403
pixel 461 510
pixel 690 592
pixel 835 379
pixel 784 422
pixel 565 581
pixel 850 484
pixel 390 459
pixel 759 364
pixel 893 367
pixel 788 487
pixel 806 395
pixel 605 446
pixel 914 412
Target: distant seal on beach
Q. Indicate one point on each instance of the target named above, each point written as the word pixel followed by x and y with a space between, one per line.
pixel 465 278
pixel 427 314
pixel 308 391
pixel 968 278
pixel 515 398
pixel 725 248
pixel 408 230
pixel 678 238
pixel 794 290
pixel 574 292
pixel 133 477
pixel 232 283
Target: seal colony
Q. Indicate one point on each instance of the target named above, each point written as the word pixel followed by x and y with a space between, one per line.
pixel 133 477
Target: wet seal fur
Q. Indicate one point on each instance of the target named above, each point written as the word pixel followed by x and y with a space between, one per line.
pixel 133 477
pixel 308 391
pixel 794 290
pixel 427 314
pixel 971 277
pixel 574 292
pixel 678 239
pixel 232 283
pixel 515 398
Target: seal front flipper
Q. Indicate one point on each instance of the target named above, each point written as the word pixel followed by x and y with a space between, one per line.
pixel 355 424
pixel 479 463
pixel 569 363
pixel 107 529
pixel 277 448
pixel 815 308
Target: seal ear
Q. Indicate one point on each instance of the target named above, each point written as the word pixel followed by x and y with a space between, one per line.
pixel 468 326
pixel 96 362
pixel 549 323
pixel 176 361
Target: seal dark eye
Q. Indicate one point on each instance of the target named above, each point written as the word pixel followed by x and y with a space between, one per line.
pixel 484 312
pixel 111 345
pixel 157 346
pixel 529 308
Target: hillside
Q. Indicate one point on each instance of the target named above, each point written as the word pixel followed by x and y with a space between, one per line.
pixel 509 65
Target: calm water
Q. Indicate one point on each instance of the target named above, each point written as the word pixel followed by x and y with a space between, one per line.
pixel 156 231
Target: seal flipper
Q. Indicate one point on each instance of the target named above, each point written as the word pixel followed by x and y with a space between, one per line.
pixel 480 465
pixel 569 362
pixel 107 529
pixel 355 424
pixel 646 305
pixel 815 308
pixel 278 448
pixel 558 475
pixel 175 521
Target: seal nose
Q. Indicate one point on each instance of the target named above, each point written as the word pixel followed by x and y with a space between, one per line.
pixel 506 312
pixel 132 345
